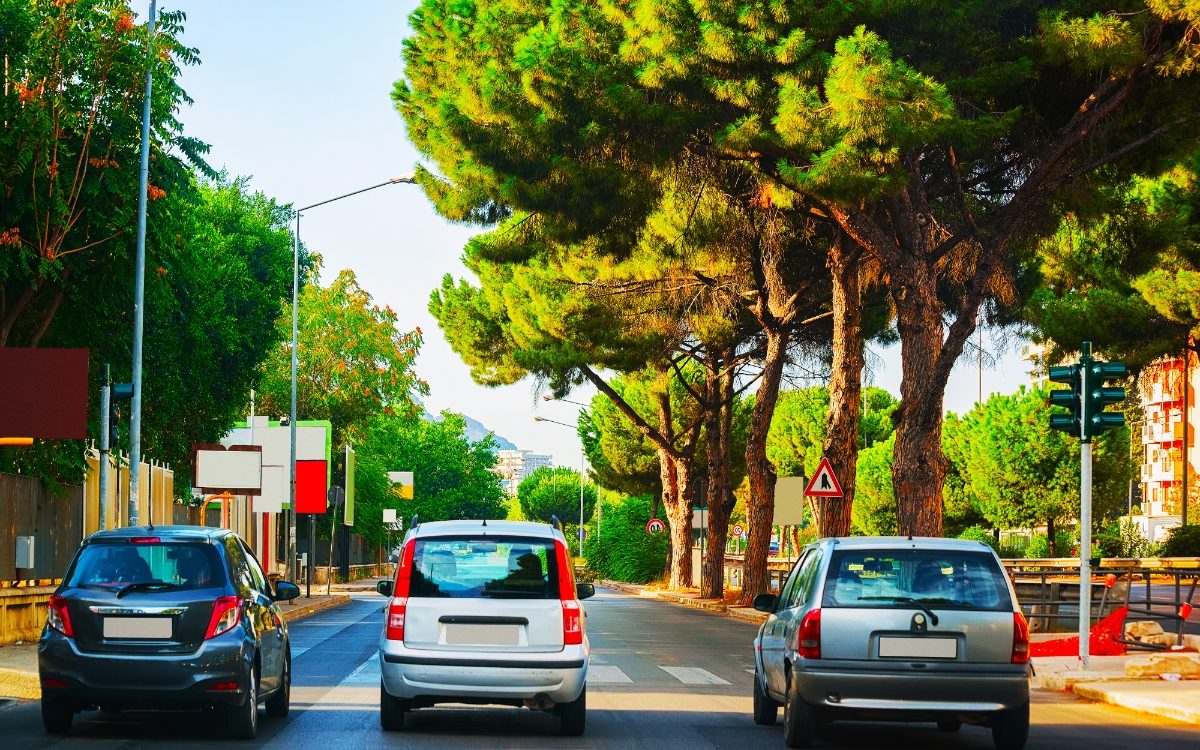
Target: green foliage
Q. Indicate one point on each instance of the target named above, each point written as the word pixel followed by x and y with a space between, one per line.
pixel 453 477
pixel 554 491
pixel 979 534
pixel 1020 473
pixel 874 511
pixel 622 550
pixel 1065 545
pixel 1123 538
pixel 353 360
pixel 797 436
pixel 1181 541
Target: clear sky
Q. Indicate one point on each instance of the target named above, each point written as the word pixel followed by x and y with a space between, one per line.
pixel 295 94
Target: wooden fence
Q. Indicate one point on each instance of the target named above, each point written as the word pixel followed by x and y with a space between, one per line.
pixel 54 520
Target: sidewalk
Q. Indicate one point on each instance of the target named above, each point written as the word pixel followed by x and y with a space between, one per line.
pixel 1160 683
pixel 18 661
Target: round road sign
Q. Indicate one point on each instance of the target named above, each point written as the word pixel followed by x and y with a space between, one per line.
pixel 655 526
pixel 738 530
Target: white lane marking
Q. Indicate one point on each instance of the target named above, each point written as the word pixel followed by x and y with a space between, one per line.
pixel 604 674
pixel 693 675
pixel 367 673
pixel 749 671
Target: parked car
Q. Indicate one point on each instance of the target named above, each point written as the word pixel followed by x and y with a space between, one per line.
pixel 167 617
pixel 485 612
pixel 894 628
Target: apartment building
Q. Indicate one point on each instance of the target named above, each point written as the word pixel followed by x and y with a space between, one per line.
pixel 515 465
pixel 1168 396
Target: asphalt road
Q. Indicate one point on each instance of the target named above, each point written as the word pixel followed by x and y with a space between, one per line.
pixel 662 677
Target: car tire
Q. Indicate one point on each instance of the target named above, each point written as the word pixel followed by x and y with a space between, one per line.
pixel 573 716
pixel 57 716
pixel 391 711
pixel 1010 729
pixel 949 725
pixel 799 718
pixel 766 710
pixel 242 721
pixel 280 703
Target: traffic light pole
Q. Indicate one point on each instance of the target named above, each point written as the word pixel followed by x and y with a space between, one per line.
pixel 105 440
pixel 1085 508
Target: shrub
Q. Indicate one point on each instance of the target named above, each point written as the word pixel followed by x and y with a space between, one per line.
pixel 979 534
pixel 622 550
pixel 1182 541
pixel 1123 539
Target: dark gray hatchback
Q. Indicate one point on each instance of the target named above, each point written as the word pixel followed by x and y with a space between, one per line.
pixel 169 617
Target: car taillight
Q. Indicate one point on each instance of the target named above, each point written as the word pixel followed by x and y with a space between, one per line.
pixel 226 612
pixel 808 636
pixel 58 617
pixel 1020 650
pixel 399 603
pixel 395 621
pixel 145 540
pixel 572 623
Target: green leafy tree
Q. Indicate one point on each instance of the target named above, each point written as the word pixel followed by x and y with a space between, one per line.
pixel 554 492
pixel 353 360
pixel 942 163
pixel 874 509
pixel 621 549
pixel 453 477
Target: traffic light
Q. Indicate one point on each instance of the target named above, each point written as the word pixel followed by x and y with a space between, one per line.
pixel 1098 397
pixel 120 392
pixel 1067 397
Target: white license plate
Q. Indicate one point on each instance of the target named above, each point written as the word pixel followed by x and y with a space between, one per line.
pixel 483 635
pixel 137 627
pixel 918 648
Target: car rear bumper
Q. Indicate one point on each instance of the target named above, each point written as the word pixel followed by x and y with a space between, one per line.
pixel 915 694
pixel 441 676
pixel 144 680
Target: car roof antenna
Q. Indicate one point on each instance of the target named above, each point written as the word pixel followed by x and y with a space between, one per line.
pixel 485 522
pixel 415 522
pixel 555 523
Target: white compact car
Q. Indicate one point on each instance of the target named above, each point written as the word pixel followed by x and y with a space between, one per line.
pixel 484 612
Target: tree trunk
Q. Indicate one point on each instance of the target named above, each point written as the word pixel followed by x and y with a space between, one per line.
pixel 845 389
pixel 1050 536
pixel 919 466
pixel 760 507
pixel 676 491
pixel 719 391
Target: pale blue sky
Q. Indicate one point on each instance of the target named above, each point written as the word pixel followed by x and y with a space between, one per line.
pixel 296 95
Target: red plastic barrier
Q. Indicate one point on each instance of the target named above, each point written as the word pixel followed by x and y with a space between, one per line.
pixel 1102 641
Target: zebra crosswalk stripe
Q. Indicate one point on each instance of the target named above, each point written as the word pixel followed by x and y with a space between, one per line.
pixel 693 676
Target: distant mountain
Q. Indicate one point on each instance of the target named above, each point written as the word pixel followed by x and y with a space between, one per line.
pixel 477 431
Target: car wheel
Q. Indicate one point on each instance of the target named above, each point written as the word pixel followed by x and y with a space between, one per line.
pixel 391 710
pixel 242 721
pixel 949 725
pixel 765 709
pixel 799 718
pixel 279 703
pixel 573 716
pixel 1010 729
pixel 57 715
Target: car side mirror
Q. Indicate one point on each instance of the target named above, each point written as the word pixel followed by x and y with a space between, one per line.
pixel 285 592
pixel 765 602
pixel 585 590
pixel 384 588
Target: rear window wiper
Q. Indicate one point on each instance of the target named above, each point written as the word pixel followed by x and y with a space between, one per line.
pixel 918 603
pixel 154 585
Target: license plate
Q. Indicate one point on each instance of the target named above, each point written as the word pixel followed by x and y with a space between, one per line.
pixel 483 635
pixel 137 627
pixel 919 648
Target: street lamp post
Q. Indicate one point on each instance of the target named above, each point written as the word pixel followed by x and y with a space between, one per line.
pixel 291 554
pixel 574 427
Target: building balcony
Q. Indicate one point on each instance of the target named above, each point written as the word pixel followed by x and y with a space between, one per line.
pixel 1162 471
pixel 1156 432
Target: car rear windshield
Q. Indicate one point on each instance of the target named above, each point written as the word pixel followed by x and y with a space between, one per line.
pixel 950 579
pixel 163 565
pixel 465 567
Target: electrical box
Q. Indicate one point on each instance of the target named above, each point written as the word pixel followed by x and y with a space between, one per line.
pixel 25 552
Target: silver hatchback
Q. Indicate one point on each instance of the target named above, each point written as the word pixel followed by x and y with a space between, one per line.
pixel 894 629
pixel 484 612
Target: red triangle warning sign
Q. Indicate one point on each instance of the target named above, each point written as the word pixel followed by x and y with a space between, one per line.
pixel 824 483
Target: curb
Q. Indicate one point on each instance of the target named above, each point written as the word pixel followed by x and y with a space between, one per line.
pixel 1142 696
pixel 299 612
pixel 714 606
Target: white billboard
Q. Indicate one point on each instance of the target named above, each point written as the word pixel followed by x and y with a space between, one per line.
pixel 238 471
